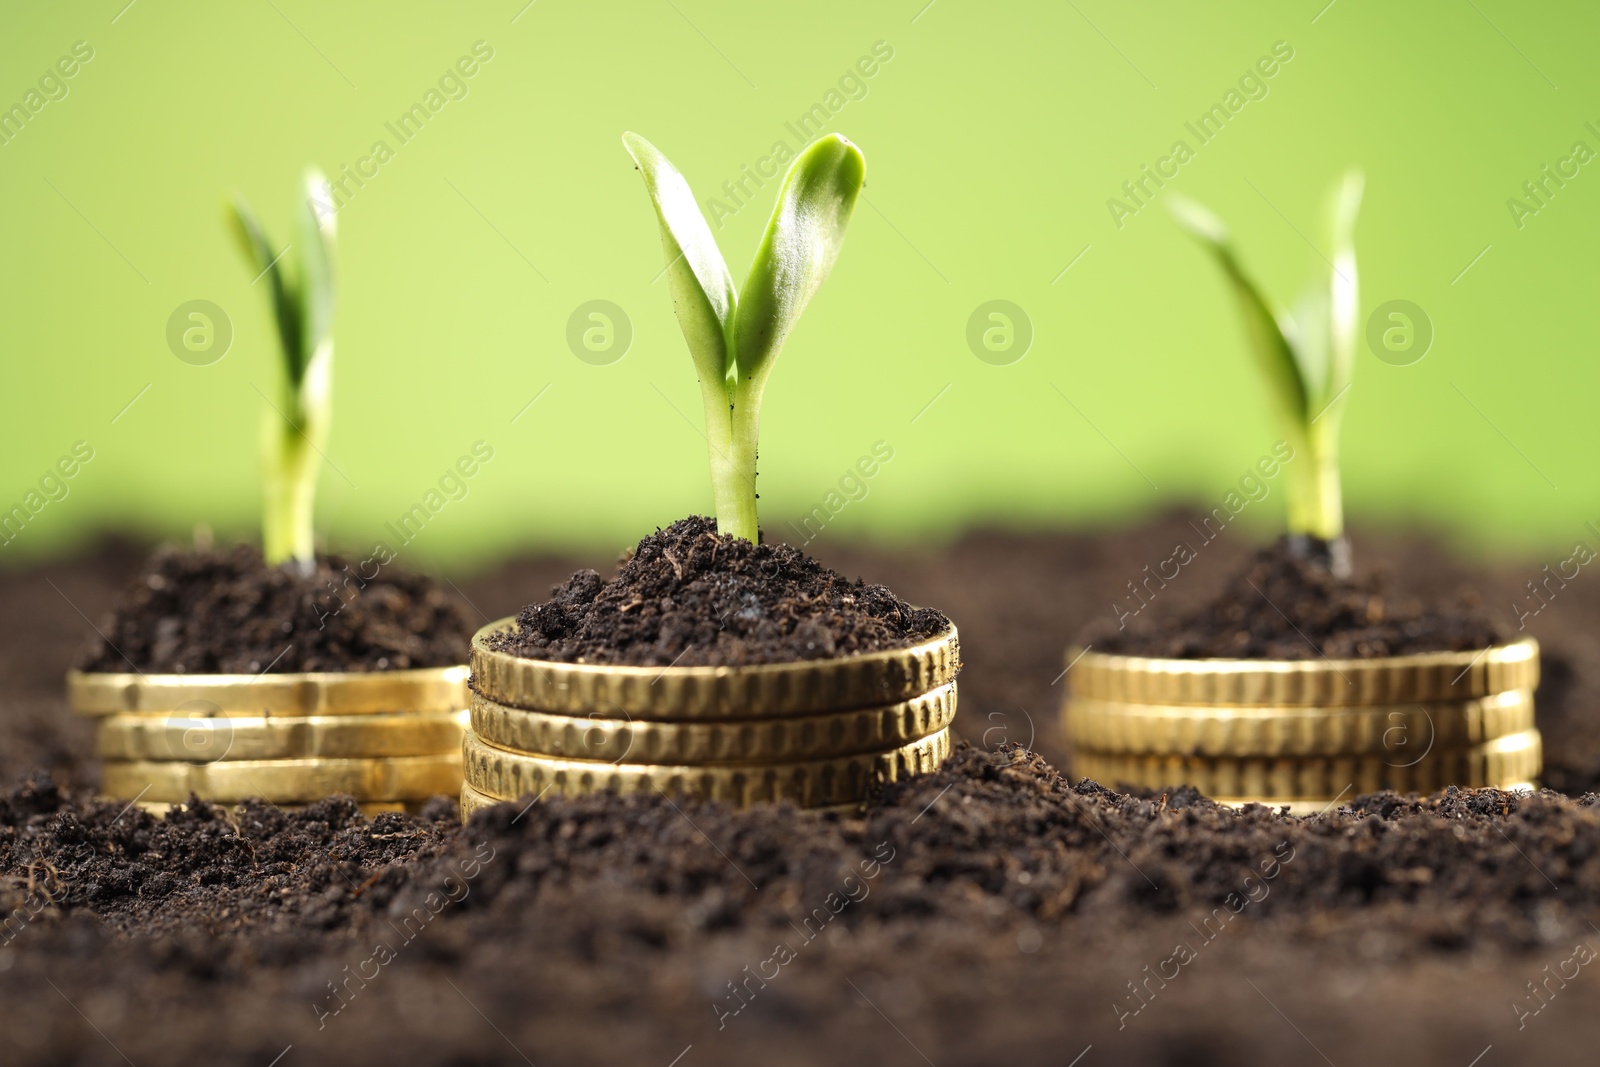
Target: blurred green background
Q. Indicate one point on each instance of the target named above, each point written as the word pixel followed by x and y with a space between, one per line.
pixel 994 135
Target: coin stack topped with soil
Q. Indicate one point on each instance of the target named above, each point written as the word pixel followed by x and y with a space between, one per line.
pixel 225 678
pixel 1296 686
pixel 713 667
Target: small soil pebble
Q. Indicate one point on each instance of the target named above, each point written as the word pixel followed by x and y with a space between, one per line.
pixel 689 596
pixel 228 612
pixel 1288 604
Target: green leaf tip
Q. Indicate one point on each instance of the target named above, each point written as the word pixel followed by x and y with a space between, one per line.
pixel 735 336
pixel 316 231
pixel 799 249
pixel 701 287
pixel 1265 325
pixel 1198 219
pixel 267 265
pixel 1307 356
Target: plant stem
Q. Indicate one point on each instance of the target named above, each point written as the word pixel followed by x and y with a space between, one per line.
pixel 1316 506
pixel 289 489
pixel 1327 501
pixel 731 441
pixel 292 443
pixel 1301 489
pixel 1315 502
pixel 736 506
pixel 1329 505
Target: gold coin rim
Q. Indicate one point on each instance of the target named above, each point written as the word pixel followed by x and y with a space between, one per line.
pixel 137 735
pixel 596 776
pixel 1420 677
pixel 289 781
pixel 728 741
pixel 427 689
pixel 371 809
pixel 471 802
pixel 1303 807
pixel 1119 728
pixel 664 694
pixel 1506 762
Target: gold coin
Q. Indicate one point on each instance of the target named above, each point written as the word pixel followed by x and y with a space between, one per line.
pixel 1397 732
pixel 812 783
pixel 764 740
pixel 1504 763
pixel 300 781
pixel 1322 807
pixel 208 738
pixel 664 694
pixel 161 808
pixel 1423 678
pixel 430 689
pixel 473 801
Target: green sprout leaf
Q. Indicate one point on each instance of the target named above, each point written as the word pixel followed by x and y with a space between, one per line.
pixel 268 264
pixel 735 339
pixel 802 242
pixel 702 288
pixel 1307 356
pixel 1263 324
pixel 1344 291
pixel 295 431
pixel 316 233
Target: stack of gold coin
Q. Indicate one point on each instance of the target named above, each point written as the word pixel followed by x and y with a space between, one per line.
pixel 390 739
pixel 821 733
pixel 1305 733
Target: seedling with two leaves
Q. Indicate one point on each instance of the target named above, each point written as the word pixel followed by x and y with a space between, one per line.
pixel 735 337
pixel 294 431
pixel 1307 354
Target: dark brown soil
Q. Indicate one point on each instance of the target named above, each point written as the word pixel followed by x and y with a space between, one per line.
pixel 991 913
pixel 207 869
pixel 228 612
pixel 1289 605
pixel 688 596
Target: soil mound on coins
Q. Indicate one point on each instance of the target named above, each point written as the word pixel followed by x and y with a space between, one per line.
pixel 1286 606
pixel 229 612
pixel 688 596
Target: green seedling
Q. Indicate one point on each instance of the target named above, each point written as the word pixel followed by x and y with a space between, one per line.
pixel 295 430
pixel 735 337
pixel 1307 354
